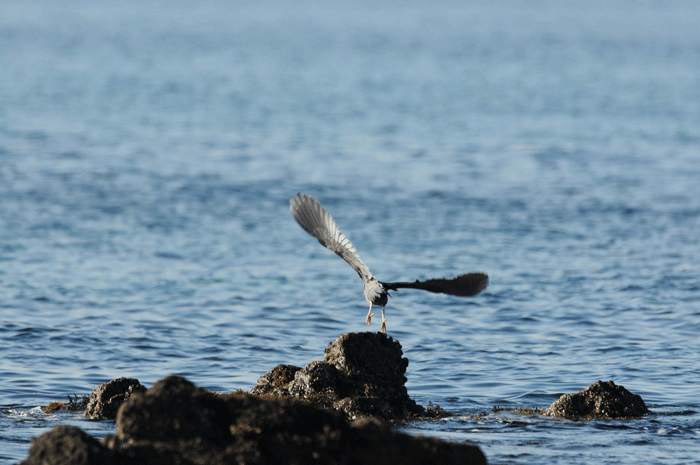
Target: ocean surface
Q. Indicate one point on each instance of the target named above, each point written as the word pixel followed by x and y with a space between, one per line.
pixel 149 149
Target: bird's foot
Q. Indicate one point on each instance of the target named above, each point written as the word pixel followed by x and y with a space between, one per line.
pixel 384 326
pixel 369 318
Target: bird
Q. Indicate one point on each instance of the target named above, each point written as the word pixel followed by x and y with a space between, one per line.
pixel 316 220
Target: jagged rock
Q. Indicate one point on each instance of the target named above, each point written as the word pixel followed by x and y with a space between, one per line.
pixel 361 374
pixel 68 445
pixel 373 366
pixel 603 400
pixel 105 399
pixel 276 381
pixel 177 423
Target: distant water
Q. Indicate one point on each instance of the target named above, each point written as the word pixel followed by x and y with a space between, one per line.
pixel 148 151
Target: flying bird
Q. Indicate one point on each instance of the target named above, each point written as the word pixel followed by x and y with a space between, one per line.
pixel 319 223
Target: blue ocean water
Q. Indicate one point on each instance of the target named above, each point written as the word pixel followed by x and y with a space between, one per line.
pixel 148 151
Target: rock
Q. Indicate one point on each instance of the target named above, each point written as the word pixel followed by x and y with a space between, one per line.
pixel 356 407
pixel 603 400
pixel 285 431
pixel 372 366
pixel 317 378
pixel 177 423
pixel 361 374
pixel 174 408
pixel 174 423
pixel 105 399
pixel 68 445
pixel 276 381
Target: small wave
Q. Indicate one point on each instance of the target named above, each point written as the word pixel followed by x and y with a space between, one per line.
pixel 34 411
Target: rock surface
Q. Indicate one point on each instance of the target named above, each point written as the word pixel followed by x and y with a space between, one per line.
pixel 604 400
pixel 276 381
pixel 176 422
pixel 105 399
pixel 361 374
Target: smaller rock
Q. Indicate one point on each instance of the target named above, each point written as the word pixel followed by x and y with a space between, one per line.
pixel 604 400
pixel 276 381
pixel 105 399
pixel 68 445
pixel 316 378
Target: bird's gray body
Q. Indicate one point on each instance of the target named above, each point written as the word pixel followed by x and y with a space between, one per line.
pixel 319 223
pixel 375 293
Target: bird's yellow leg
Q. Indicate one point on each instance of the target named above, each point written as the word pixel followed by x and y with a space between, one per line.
pixel 383 322
pixel 369 315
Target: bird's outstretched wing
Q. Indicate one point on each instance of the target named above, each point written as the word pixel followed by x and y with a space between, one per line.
pixel 319 223
pixel 466 285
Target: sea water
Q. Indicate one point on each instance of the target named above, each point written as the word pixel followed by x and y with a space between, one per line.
pixel 148 152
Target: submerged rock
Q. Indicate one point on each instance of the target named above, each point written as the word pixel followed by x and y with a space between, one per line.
pixel 105 399
pixel 604 400
pixel 361 374
pixel 74 403
pixel 176 422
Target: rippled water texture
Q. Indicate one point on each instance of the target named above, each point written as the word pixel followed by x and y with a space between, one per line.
pixel 148 151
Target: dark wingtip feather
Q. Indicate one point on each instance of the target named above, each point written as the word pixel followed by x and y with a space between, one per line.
pixel 466 285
